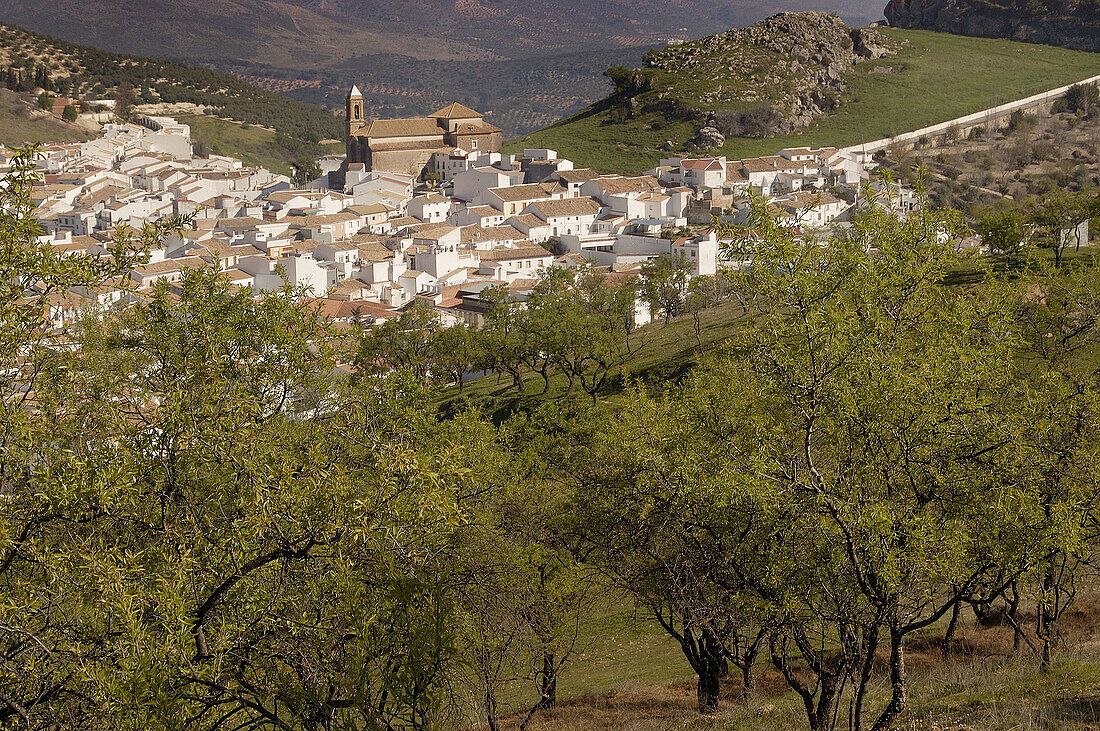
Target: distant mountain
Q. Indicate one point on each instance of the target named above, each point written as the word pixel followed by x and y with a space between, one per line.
pixel 1070 23
pixel 508 28
pixel 524 63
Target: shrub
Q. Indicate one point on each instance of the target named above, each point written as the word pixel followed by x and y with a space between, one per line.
pixel 756 121
pixel 1018 121
pixel 1079 98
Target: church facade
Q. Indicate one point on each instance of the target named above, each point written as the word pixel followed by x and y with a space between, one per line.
pixel 407 145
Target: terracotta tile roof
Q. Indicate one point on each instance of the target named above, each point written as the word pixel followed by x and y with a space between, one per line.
pixel 454 110
pixel 374 253
pixel 320 219
pixel 567 207
pixel 332 309
pixel 707 164
pixel 431 198
pixel 369 209
pixel 474 234
pixel 576 176
pixel 734 173
pixel 405 221
pixel 805 198
pixel 529 220
pixel 770 163
pixel 511 253
pixel 171 265
pixel 507 232
pixel 383 146
pixel 618 185
pixel 244 223
pixel 431 231
pixel 531 191
pixel 412 127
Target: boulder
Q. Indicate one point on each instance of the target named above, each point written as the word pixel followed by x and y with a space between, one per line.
pixel 709 138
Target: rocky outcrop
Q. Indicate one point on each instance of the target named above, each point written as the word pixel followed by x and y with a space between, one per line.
pixel 708 138
pixel 794 64
pixel 1070 24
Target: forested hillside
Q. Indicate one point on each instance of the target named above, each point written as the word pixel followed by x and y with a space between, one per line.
pixel 1071 23
pixel 28 59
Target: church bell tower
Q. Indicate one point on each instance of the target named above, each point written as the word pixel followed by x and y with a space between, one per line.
pixel 355 112
pixel 355 124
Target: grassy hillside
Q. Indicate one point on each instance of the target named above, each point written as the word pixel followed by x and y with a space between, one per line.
pixel 254 145
pixel 20 124
pixel 933 78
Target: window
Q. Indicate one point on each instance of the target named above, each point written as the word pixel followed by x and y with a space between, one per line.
pixel 473 144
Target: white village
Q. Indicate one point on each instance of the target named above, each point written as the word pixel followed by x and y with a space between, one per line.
pixel 420 210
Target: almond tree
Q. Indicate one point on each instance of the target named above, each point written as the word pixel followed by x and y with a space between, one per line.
pixel 38 649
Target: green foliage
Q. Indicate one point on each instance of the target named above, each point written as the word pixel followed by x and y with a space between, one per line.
pixel 1003 230
pixel 1079 98
pixel 858 461
pixel 126 96
pixel 665 285
pixel 45 101
pixel 70 113
pixel 1058 219
pixel 306 170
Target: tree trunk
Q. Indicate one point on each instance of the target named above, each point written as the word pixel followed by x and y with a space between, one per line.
pixel 491 709
pixel 949 635
pixel 708 687
pixel 548 682
pixel 868 649
pixel 748 659
pixel 1013 602
pixel 1046 614
pixel 983 612
pixel 544 372
pixel 698 325
pixel 898 682
pixel 748 683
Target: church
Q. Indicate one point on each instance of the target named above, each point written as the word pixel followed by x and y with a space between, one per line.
pixel 407 145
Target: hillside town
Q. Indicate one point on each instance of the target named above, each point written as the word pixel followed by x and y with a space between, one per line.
pixel 423 210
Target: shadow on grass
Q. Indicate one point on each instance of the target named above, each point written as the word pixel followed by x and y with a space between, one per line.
pixel 1084 710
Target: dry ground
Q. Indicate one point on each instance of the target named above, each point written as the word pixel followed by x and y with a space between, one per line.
pixel 984 684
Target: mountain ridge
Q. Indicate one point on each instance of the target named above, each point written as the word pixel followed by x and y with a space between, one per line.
pixel 1069 23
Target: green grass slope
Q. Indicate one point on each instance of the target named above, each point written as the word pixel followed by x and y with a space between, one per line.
pixel 20 124
pixel 249 143
pixel 935 77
